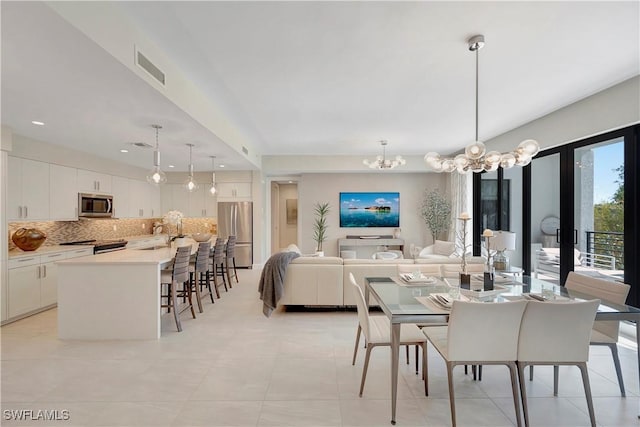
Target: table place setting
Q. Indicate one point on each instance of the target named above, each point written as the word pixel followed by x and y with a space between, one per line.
pixel 439 302
pixel 413 279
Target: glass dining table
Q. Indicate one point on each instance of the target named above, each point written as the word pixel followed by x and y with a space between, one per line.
pixel 406 303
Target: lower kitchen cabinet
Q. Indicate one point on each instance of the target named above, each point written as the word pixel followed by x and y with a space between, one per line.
pixel 32 283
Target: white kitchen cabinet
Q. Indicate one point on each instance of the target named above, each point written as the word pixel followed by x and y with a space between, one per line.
pixel 195 201
pixel 93 182
pixel 33 282
pixel 156 206
pixel 24 286
pixel 121 197
pixel 174 198
pixel 27 190
pixel 234 191
pixel 140 199
pixel 49 278
pixel 63 193
pixel 3 291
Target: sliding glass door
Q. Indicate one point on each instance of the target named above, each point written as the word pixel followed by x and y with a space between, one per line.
pixel 580 208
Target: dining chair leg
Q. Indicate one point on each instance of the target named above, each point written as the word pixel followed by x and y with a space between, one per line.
pixel 226 270
pixel 556 374
pixel 616 362
pixel 531 373
pixel 207 284
pixel 587 391
pixel 365 368
pixel 173 288
pixel 425 367
pixel 355 349
pixel 188 288
pixel 192 285
pixel 523 392
pixel 215 283
pixel 407 352
pixel 417 351
pixel 514 390
pixel 235 271
pixel 452 399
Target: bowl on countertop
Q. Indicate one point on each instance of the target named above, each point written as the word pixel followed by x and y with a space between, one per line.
pixel 201 237
pixel 28 239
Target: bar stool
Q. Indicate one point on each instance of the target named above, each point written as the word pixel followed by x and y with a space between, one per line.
pixel 230 259
pixel 218 265
pixel 197 273
pixel 172 278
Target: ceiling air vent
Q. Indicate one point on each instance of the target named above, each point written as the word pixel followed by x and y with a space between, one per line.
pixel 245 150
pixel 144 63
pixel 141 145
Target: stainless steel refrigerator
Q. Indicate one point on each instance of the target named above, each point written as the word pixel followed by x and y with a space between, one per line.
pixel 236 219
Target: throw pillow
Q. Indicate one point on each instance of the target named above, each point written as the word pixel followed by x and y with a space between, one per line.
pixel 444 248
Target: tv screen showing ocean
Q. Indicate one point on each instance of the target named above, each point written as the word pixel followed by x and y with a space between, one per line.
pixel 370 209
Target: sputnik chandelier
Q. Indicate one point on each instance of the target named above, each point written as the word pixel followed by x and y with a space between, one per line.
pixel 381 162
pixel 475 158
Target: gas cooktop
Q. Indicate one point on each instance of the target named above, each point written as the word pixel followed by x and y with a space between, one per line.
pixel 100 246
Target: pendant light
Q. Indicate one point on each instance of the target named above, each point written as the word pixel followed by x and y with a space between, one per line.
pixel 156 176
pixel 190 184
pixel 475 158
pixel 213 190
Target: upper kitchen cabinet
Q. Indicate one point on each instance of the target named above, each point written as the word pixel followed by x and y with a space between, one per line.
pixel 63 193
pixel 93 182
pixel 143 200
pixel 198 204
pixel 27 190
pixel 234 191
pixel 121 191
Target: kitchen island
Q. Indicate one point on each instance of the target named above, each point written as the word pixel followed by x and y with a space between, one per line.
pixel 115 295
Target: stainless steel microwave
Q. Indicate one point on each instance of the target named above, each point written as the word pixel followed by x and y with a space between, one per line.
pixel 95 205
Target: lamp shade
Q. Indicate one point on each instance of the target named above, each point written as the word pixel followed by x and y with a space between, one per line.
pixel 504 241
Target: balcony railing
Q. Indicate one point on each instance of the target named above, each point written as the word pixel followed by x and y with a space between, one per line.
pixel 609 243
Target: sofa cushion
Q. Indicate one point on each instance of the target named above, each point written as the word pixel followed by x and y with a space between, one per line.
pixel 317 260
pixel 553 255
pixel 293 248
pixel 377 261
pixel 441 247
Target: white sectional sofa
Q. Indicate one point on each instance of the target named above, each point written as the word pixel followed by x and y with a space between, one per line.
pixel 323 281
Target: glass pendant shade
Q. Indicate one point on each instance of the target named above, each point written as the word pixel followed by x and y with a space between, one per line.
pixel 381 161
pixel 190 184
pixel 155 175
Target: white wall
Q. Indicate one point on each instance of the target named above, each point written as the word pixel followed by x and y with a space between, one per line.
pixel 612 108
pixel 313 188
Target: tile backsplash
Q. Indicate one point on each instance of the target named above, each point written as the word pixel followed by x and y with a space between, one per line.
pixel 68 231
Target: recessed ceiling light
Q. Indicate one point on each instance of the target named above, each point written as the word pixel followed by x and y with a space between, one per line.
pixel 124 151
pixel 37 123
pixel 221 166
pixel 171 166
pixel 290 182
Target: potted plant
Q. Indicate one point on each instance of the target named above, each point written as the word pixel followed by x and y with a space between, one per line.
pixel 436 212
pixel 175 218
pixel 320 226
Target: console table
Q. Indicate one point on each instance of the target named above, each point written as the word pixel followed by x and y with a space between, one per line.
pixel 355 243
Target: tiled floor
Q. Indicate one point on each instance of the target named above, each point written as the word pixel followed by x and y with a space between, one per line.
pixel 233 367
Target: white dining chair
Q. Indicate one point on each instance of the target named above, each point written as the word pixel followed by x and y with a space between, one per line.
pixel 377 332
pixel 556 334
pixel 479 334
pixel 604 332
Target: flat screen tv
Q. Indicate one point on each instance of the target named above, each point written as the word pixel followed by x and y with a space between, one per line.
pixel 369 209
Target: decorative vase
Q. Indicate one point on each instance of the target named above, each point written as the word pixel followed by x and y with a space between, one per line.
pixel 28 239
pixel 488 279
pixel 465 281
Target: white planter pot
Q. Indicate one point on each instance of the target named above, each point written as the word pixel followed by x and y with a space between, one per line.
pixel 319 253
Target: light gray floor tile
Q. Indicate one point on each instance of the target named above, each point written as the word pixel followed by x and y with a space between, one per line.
pixel 234 367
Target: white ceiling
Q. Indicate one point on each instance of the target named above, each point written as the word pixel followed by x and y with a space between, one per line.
pixel 312 78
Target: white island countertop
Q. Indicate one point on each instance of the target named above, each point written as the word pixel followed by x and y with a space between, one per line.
pixel 158 255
